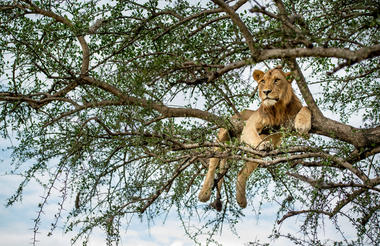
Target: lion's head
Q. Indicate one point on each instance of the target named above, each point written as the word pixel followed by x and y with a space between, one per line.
pixel 275 87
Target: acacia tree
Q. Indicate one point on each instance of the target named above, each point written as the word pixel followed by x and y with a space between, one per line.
pixel 118 103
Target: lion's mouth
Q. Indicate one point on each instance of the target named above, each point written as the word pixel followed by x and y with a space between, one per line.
pixel 274 99
pixel 268 102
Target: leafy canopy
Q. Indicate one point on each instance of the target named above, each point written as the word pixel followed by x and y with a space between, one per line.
pixel 116 104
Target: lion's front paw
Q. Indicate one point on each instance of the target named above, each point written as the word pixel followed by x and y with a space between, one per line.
pixel 302 126
pixel 265 145
pixel 302 122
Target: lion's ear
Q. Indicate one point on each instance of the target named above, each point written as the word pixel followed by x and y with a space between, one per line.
pixel 257 75
pixel 289 77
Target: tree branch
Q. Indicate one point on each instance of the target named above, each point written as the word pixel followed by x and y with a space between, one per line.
pixel 320 184
pixel 164 187
pixel 161 108
pixel 331 128
pixel 67 22
pixel 239 23
pixel 293 213
pixel 304 88
pixel 346 201
pixel 187 19
pixel 352 55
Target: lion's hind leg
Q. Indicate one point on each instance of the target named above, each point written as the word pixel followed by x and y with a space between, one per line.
pixel 241 183
pixel 205 193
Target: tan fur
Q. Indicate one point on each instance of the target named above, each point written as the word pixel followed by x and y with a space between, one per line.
pixel 279 107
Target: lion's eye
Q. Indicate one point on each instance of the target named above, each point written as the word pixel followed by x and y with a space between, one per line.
pixel 262 81
pixel 276 81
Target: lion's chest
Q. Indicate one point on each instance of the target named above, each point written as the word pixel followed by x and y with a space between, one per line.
pixel 273 122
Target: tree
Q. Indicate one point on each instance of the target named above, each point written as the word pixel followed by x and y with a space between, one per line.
pixel 89 88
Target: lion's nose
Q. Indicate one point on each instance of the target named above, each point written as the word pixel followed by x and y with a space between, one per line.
pixel 266 92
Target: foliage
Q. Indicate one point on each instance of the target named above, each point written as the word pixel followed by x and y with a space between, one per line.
pixel 118 103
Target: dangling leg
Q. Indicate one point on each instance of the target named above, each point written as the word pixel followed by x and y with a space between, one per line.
pixel 241 183
pixel 205 193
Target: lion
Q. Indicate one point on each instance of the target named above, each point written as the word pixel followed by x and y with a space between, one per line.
pixel 280 107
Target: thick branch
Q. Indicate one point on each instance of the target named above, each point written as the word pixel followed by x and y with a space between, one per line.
pixel 331 128
pixel 292 53
pixel 302 85
pixel 352 55
pixel 161 108
pixel 360 138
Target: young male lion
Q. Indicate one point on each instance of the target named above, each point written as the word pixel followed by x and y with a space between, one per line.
pixel 280 107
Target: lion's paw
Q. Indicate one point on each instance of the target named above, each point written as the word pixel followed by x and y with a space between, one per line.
pixel 302 127
pixel 242 201
pixel 302 122
pixel 204 195
pixel 265 145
